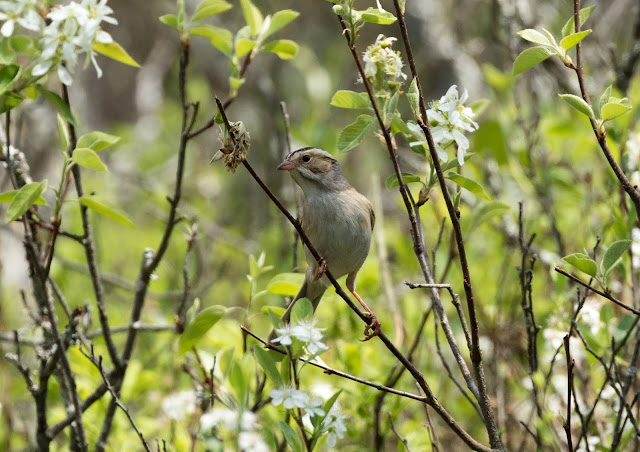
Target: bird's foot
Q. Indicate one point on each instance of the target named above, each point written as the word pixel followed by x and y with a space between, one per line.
pixel 320 269
pixel 372 329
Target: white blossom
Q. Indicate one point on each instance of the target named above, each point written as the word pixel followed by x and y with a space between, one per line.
pixel 289 397
pixel 252 442
pixel 306 332
pixel 451 118
pixel 73 29
pixel 333 425
pixel 229 419
pixel 285 335
pixel 383 65
pixel 20 12
pixel 633 150
pixel 314 407
pixel 176 406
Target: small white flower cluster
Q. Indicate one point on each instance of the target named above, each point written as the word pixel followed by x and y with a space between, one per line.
pixel 304 331
pixel 290 397
pixel 176 406
pixel 383 65
pixel 450 118
pixel 21 12
pixel 244 423
pixel 333 425
pixel 73 29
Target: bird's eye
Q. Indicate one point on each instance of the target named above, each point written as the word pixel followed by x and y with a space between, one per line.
pixel 306 158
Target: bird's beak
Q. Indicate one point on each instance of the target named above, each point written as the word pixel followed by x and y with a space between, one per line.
pixel 286 166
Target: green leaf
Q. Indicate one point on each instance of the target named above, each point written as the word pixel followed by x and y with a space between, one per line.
pixel 613 254
pixel 413 96
pixel 59 103
pixel 354 133
pixel 375 16
pixel 284 48
pixel 604 98
pixel 89 159
pixel 407 178
pixel 327 408
pixel 570 26
pixel 279 20
pixel 583 263
pixel 8 75
pixel 220 38
pixel 9 196
pixel 570 41
pixel 612 110
pixel 170 20
pixel 579 104
pixel 109 212
pixel 24 199
pixel 529 58
pixel 268 364
pixel 303 309
pixel 485 212
pixel 286 284
pixel 453 163
pixel 209 8
pixel 115 51
pixel 97 141
pixel 7 54
pixel 292 437
pixel 9 100
pixel 534 36
pixel 350 99
pixel 199 327
pixel 63 132
pixel 252 16
pixel 468 184
pixel 244 46
pixel 239 382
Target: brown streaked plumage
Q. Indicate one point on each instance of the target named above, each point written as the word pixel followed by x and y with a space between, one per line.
pixel 338 221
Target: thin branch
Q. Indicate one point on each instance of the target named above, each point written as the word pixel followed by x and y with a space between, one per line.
pixel 599 131
pixel 476 355
pixel 402 439
pixel 599 292
pixel 98 363
pixel 89 247
pixel 331 371
pixel 570 365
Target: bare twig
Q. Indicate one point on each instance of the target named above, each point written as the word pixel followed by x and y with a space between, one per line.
pixel 570 364
pixel 98 363
pixel 402 439
pixel 593 289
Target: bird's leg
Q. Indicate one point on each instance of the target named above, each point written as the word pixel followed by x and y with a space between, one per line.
pixel 373 328
pixel 320 269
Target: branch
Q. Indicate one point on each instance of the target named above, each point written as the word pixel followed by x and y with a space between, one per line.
pixel 599 292
pixel 633 192
pixel 98 363
pixel 331 371
pixel 90 252
pixel 570 364
pixel 476 355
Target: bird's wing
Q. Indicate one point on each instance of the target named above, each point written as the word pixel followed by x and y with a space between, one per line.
pixel 372 216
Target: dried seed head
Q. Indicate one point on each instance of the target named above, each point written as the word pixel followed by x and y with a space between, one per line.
pixel 236 145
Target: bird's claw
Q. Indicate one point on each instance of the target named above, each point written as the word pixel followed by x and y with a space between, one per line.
pixel 372 329
pixel 320 269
